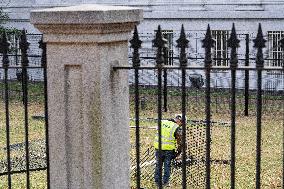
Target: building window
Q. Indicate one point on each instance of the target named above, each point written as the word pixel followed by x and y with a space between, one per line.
pixel 168 52
pixel 274 49
pixel 220 52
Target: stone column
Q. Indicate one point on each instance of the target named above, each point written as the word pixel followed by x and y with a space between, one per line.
pixel 88 101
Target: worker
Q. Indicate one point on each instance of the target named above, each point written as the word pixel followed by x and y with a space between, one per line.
pixel 171 147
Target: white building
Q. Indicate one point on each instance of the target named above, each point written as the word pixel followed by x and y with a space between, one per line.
pixel 195 15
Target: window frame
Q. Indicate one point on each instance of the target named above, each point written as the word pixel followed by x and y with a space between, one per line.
pixel 169 51
pixel 220 50
pixel 275 51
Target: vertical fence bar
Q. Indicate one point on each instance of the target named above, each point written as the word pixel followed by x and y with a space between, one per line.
pixel 233 43
pixel 283 141
pixel 283 135
pixel 18 73
pixel 4 45
pixel 136 44
pixel 160 43
pixel 208 43
pixel 259 43
pixel 247 76
pixel 24 45
pixel 165 75
pixel 42 45
pixel 16 49
pixel 282 46
pixel 182 43
pixel 165 89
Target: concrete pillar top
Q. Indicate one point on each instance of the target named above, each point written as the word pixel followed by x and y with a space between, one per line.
pixel 86 23
pixel 86 14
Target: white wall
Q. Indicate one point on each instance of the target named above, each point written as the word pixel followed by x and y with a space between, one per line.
pixel 196 14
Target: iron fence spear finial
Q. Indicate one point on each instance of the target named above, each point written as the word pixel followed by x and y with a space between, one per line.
pixel 135 41
pixel 42 45
pixel 160 42
pixel 4 46
pixel 136 45
pixel 24 46
pixel 259 43
pixel 233 43
pixel 208 43
pixel 182 43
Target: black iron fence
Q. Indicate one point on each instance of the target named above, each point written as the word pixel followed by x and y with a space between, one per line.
pixel 24 158
pixel 15 55
pixel 272 80
pixel 196 169
pixel 220 80
pixel 218 111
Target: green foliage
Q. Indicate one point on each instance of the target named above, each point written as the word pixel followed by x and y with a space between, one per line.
pixel 11 32
pixel 35 91
pixel 3 17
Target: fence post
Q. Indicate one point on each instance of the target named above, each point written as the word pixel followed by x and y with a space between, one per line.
pixel 182 43
pixel 88 101
pixel 160 43
pixel 136 45
pixel 208 43
pixel 233 43
pixel 4 47
pixel 282 46
pixel 259 44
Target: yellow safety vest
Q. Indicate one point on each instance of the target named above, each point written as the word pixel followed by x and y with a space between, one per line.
pixel 168 140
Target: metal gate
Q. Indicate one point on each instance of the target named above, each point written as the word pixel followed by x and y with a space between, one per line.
pixel 24 158
pixel 197 169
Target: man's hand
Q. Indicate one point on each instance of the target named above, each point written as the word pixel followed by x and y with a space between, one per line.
pixel 178 153
pixel 178 157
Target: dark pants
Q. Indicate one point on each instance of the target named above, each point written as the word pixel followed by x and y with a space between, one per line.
pixel 166 157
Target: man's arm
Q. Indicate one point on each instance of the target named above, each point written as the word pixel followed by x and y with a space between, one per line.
pixel 179 141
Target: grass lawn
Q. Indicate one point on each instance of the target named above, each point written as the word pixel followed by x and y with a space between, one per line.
pixel 220 150
pixel 17 136
pixel 17 139
pixel 272 143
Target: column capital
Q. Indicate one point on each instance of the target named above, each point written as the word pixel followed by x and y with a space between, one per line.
pixel 86 23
